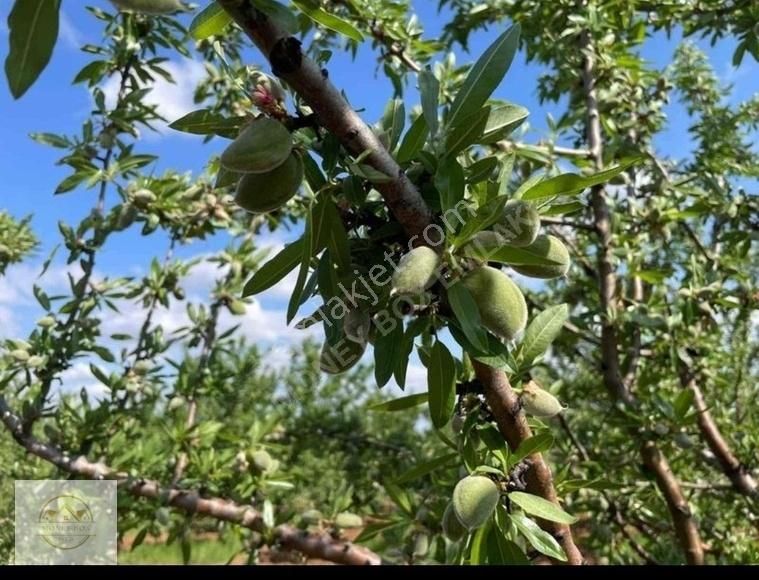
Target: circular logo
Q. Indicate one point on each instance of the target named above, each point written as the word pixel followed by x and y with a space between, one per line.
pixel 66 522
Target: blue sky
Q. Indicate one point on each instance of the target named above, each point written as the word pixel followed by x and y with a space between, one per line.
pixel 29 175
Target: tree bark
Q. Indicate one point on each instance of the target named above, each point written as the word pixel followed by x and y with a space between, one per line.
pixel 685 525
pixel 731 466
pixel 512 423
pixel 314 545
pixel 401 196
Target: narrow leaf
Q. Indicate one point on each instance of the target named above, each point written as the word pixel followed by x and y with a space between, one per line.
pixel 211 21
pixel 486 74
pixel 328 20
pixel 542 508
pixel 441 383
pixel 275 269
pixel 542 331
pixel 400 404
pixel 468 316
pixel 429 88
pixel 572 184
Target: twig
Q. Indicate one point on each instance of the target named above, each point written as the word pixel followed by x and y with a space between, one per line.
pixel 319 545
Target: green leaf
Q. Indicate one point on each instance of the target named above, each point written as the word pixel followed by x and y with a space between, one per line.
pixel 328 20
pixel 211 21
pixel 393 121
pixel 485 76
pixel 400 497
pixel 542 331
pixel 468 315
pixel 478 550
pixel 682 404
pixel 275 269
pixel 501 550
pixel 572 184
pixel 562 208
pixel 281 15
pixel 539 539
pixel 387 350
pixel 373 529
pixel 329 232
pixel 296 299
pixel 481 170
pixel 423 469
pixel 400 404
pixel 502 121
pixel 206 122
pixel 484 217
pixel 449 181
pixel 542 508
pixel 441 385
pixel 413 140
pixel 511 255
pixel 33 29
pixel 429 89
pixel 469 131
pixel 50 139
pixel 535 444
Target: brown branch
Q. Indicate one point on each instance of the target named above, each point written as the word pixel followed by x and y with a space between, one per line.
pixel 607 279
pixel 401 196
pixel 737 473
pixel 314 545
pixel 684 523
pixel 512 423
pixel 308 80
pixel 637 296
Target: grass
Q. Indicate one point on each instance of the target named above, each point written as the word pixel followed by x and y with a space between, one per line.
pixel 203 551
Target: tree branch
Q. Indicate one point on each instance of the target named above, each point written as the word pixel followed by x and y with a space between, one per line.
pixel 739 476
pixel 401 196
pixel 320 545
pixel 512 423
pixel 685 526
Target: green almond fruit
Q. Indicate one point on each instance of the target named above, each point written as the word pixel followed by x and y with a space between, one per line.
pixel 311 517
pixel 421 545
pixel 452 527
pixel 416 271
pixel 538 402
pixel 520 223
pixel 551 248
pixel 46 322
pixel 263 192
pixel 501 303
pixel 149 6
pixel 483 245
pixel 474 500
pixel 261 459
pixel 341 356
pixel 348 520
pixel 20 355
pixel 356 326
pixel 262 146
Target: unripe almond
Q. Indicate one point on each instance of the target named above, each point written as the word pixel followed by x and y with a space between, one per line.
pixel 356 326
pixel 474 500
pixel 452 527
pixel 519 224
pixel 341 356
pixel 502 307
pixel 262 146
pixel 416 271
pixel 263 192
pixel 421 545
pixel 551 248
pixel 143 197
pixel 35 361
pixel 348 520
pixel 149 6
pixel 538 402
pixel 261 459
pixel 237 307
pixel 20 355
pixel 311 517
pixel 46 322
pixel 483 245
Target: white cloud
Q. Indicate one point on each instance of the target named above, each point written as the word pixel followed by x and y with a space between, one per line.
pixel 174 100
pixel 69 33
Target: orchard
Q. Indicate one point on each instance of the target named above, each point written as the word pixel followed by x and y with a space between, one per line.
pixel 514 337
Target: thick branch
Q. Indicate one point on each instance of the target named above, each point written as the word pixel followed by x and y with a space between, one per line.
pixel 736 472
pixel 312 84
pixel 685 525
pixel 512 423
pixel 321 546
pixel 401 196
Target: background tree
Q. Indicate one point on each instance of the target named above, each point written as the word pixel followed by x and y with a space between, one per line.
pixel 654 341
